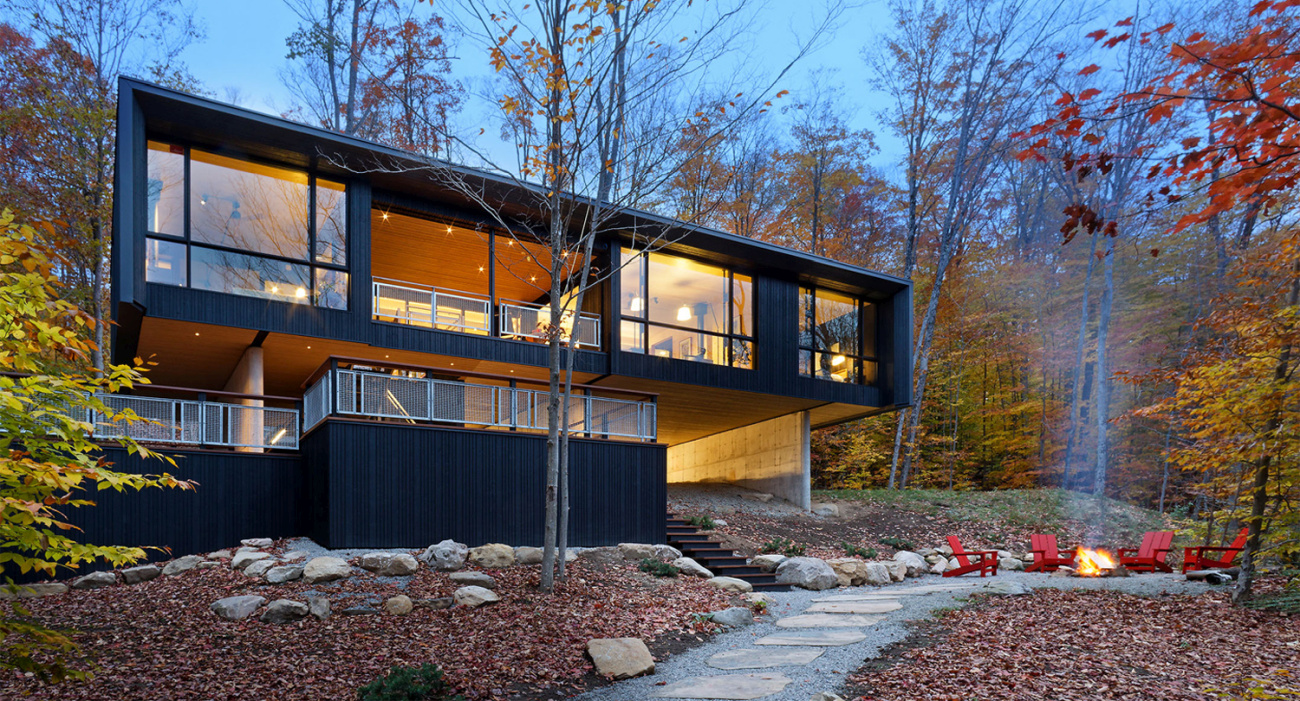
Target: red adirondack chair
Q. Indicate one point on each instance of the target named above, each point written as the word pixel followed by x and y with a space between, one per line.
pixel 985 560
pixel 1196 558
pixel 1151 555
pixel 1046 556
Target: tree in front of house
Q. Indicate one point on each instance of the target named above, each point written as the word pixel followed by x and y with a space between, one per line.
pixel 48 462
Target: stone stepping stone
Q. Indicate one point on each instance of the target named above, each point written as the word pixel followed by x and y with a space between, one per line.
pixel 828 620
pixel 725 686
pixel 857 597
pixel 814 638
pixel 855 607
pixel 758 659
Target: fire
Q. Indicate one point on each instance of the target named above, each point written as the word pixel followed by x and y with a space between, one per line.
pixel 1092 562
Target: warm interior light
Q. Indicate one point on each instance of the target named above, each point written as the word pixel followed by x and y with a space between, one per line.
pixel 385 216
pixel 635 304
pixel 278 436
pixel 684 314
pixel 300 293
pixel 480 268
pixel 308 347
pixel 533 278
pixel 837 360
pixel 275 289
pixel 196 333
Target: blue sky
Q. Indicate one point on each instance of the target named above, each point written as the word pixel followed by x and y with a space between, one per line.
pixel 245 51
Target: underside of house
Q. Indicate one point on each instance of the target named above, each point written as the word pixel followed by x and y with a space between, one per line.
pixel 344 345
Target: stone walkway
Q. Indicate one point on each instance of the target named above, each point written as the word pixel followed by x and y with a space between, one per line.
pixel 810 641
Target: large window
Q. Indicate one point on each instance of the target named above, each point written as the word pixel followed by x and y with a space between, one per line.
pixel 679 308
pixel 239 227
pixel 837 337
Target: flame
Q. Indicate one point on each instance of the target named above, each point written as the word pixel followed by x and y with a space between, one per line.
pixel 1092 562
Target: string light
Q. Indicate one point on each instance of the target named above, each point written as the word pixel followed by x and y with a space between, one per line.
pixel 385 216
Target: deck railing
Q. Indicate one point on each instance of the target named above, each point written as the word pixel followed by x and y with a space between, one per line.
pixel 198 423
pixel 365 393
pixel 452 310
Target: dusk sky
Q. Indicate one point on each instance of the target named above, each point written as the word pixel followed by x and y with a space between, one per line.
pixel 245 51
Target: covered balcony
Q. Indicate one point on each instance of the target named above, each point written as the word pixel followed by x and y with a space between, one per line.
pixel 245 423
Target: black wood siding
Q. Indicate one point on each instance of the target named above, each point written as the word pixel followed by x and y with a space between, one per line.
pixel 376 485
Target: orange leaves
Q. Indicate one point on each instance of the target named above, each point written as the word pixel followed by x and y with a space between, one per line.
pixel 1089 70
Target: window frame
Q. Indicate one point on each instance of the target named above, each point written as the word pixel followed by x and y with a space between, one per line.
pixel 730 336
pixel 309 261
pixel 859 359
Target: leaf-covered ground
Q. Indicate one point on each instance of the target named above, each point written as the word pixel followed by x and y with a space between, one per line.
pixel 1072 645
pixel 158 640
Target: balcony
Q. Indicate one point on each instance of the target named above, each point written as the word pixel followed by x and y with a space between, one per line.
pixel 416 395
pixel 199 423
pixel 412 304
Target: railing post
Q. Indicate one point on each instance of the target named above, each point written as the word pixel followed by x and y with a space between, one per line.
pixel 514 405
pixel 586 413
pixel 203 418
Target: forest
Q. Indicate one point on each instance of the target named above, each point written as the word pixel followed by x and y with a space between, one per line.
pixel 1092 201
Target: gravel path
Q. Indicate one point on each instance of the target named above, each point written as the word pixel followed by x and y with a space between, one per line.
pixel 828 671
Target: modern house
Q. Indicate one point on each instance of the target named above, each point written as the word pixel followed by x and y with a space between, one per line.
pixel 355 353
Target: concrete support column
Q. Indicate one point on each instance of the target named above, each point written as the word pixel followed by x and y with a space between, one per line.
pixel 249 377
pixel 773 456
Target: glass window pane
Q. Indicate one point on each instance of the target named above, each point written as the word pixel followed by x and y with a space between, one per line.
pixel 687 345
pixel 164 262
pixel 742 354
pixel 869 329
pixel 331 288
pixel 806 320
pixel 805 363
pixel 165 189
pixel 249 206
pixel 235 273
pixel 870 372
pixel 331 223
pixel 742 305
pixel 632 282
pixel 837 323
pixel 836 367
pixel 686 293
pixel 632 337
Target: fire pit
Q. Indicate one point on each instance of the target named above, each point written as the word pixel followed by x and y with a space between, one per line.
pixel 1094 563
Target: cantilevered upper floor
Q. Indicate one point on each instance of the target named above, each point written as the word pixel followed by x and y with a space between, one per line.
pixel 234 229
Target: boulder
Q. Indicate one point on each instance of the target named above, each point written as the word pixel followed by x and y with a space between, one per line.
pixel 285 611
pixel 257 542
pixel 878 574
pixel 237 608
pixel 667 552
pixel 474 597
pixel 360 610
pixel 758 596
pixel 807 572
pixel 244 559
pixel 95 580
pixel 636 551
pixel 945 550
pixel 528 556
pixel 826 510
pixel 283 573
pixel 734 617
pixel 768 563
pixel 601 557
pixel 445 556
pixel 897 570
pixel 493 556
pixel 373 561
pixel 326 569
pixel 739 586
pixel 400 565
pixel 933 557
pixel 246 549
pixel 1006 589
pixel 620 658
pixel 1064 572
pixel 33 591
pixel 1011 564
pixel 719 523
pixel 143 573
pixel 916 565
pixel 850 571
pixel 940 566
pixel 219 555
pixel 826 696
pixel 259 568
pixel 207 565
pixel 182 564
pixel 691 567
pixel 399 605
pixel 927 553
pixel 476 579
pixel 318 606
pixel 294 555
pixel 438 604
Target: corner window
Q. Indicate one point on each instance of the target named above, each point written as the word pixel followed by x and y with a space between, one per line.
pixel 239 227
pixel 837 337
pixel 674 307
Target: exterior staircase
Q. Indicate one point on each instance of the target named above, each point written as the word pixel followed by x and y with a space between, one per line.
pixel 711 555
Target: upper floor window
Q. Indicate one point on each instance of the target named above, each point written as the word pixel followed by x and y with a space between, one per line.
pixel 229 225
pixel 675 307
pixel 837 337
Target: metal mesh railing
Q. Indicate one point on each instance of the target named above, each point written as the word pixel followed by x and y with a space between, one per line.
pixel 188 422
pixel 316 403
pixel 530 321
pixel 383 396
pixel 432 308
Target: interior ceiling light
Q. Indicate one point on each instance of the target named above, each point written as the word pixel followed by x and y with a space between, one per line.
pixel 684 314
pixel 300 293
pixel 635 304
pixel 837 360
pixel 385 216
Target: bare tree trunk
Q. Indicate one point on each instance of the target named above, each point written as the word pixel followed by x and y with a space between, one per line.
pixel 1103 373
pixel 1076 388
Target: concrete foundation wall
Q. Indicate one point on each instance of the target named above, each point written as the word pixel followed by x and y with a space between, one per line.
pixel 772 457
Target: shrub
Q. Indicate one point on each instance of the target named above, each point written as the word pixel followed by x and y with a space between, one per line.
pixel 897 543
pixel 784 546
pixel 702 522
pixel 657 568
pixel 855 551
pixel 409 684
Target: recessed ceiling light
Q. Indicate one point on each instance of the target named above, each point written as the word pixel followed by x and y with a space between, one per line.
pixel 196 333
